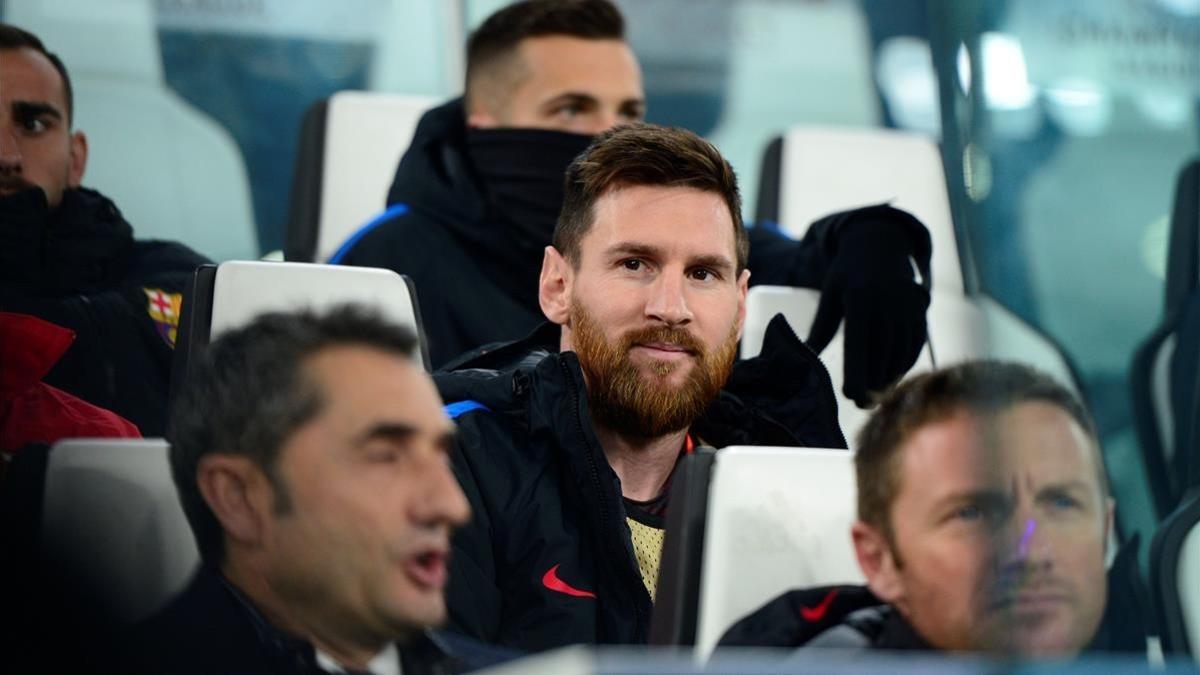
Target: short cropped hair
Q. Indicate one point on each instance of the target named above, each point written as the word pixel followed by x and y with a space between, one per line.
pixel 492 48
pixel 644 155
pixel 250 392
pixel 12 37
pixel 983 387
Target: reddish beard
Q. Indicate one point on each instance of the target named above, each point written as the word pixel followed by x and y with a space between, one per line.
pixel 638 405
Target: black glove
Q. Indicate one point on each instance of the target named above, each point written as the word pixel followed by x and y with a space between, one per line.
pixel 872 283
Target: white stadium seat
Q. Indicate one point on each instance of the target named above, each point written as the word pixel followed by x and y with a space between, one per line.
pixel 231 294
pixel 777 519
pixel 111 516
pixel 174 172
pixel 350 146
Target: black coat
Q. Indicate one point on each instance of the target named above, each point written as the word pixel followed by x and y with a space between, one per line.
pixel 208 629
pixel 477 284
pixel 81 268
pixel 544 496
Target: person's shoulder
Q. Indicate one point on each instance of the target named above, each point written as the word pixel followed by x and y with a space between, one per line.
pixel 796 617
pixel 400 235
pixel 160 258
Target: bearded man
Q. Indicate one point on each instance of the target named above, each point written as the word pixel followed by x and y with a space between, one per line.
pixel 567 440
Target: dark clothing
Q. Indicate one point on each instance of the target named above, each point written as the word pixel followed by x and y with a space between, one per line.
pixel 849 617
pixel 547 559
pixel 476 269
pixel 79 266
pixel 212 628
pixel 828 616
pixel 32 411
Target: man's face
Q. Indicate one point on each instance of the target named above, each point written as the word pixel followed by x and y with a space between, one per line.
pixel 37 148
pixel 567 84
pixel 362 550
pixel 999 534
pixel 655 308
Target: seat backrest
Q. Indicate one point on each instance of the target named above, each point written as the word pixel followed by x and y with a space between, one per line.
pixel 231 294
pixel 349 147
pixel 960 329
pixel 173 171
pixel 112 518
pixel 1175 578
pixel 777 519
pixel 1164 375
pixel 810 172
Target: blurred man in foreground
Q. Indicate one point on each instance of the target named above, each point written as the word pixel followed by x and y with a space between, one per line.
pixel 310 453
pixel 984 511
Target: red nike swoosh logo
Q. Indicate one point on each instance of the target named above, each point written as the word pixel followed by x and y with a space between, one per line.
pixel 550 580
pixel 814 614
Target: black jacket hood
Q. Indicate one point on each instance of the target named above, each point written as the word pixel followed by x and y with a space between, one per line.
pixel 435 176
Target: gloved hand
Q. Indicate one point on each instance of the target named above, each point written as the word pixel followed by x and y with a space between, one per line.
pixel 871 282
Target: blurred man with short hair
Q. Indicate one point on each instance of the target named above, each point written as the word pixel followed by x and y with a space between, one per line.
pixel 984 512
pixel 311 457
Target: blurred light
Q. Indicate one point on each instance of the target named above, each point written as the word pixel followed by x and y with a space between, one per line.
pixel 977 172
pixel 1181 7
pixel 1154 246
pixel 1166 110
pixel 1005 75
pixel 1080 106
pixel 904 69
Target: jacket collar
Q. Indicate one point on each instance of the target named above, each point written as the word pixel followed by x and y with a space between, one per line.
pixel 29 348
pixel 83 244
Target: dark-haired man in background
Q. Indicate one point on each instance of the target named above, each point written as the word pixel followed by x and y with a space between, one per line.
pixel 477 195
pixel 983 512
pixel 67 255
pixel 568 439
pixel 310 454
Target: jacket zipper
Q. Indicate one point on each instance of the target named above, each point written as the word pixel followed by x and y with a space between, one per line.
pixel 595 475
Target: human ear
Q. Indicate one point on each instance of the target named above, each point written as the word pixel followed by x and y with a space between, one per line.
pixel 79 156
pixel 239 495
pixel 554 286
pixel 878 563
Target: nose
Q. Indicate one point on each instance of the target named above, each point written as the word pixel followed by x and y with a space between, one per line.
pixel 668 302
pixel 1026 544
pixel 602 121
pixel 10 150
pixel 442 501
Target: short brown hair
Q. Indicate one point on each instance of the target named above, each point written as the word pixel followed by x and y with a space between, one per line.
pixel 981 387
pixel 644 154
pixel 493 45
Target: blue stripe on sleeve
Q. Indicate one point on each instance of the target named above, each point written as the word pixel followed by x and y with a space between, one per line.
pixel 453 410
pixel 393 211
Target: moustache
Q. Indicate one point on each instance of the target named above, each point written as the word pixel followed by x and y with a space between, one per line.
pixel 1012 588
pixel 11 183
pixel 676 337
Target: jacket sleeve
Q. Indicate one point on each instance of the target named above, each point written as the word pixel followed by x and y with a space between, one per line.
pixel 472 596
